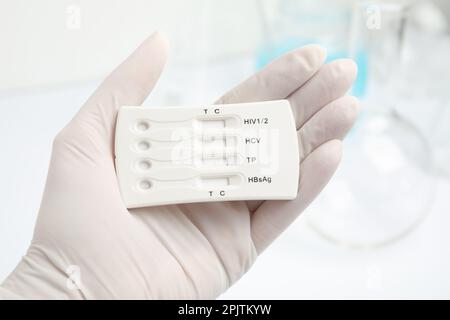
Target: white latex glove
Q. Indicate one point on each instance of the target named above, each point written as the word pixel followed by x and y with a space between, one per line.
pixel 177 251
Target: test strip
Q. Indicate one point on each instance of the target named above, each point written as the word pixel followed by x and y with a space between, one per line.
pixel 172 155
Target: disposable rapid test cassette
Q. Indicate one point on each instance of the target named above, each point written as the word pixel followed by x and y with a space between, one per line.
pixel 170 155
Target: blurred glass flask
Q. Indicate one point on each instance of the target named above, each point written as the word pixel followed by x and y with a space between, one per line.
pixel 290 24
pixel 383 187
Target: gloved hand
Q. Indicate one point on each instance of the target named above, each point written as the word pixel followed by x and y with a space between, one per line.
pixel 176 251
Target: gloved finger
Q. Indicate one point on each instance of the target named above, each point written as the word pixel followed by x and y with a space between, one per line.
pixel 280 78
pixel 129 84
pixel 252 205
pixel 273 217
pixel 331 122
pixel 332 81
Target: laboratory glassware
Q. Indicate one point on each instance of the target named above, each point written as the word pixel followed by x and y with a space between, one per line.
pixel 383 187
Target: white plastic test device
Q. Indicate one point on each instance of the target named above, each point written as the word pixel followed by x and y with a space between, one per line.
pixel 169 155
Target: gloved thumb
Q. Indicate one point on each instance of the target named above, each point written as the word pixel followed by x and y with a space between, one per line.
pixel 129 84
